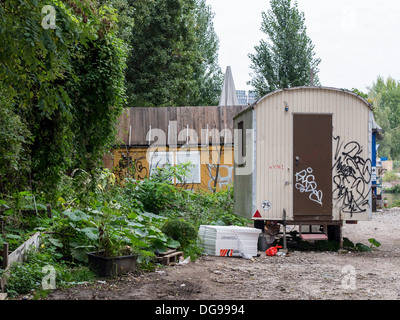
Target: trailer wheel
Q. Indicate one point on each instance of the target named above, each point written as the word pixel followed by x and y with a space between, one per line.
pixel 262 244
pixel 334 233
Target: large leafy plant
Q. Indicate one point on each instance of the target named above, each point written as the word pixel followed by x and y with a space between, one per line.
pixel 106 230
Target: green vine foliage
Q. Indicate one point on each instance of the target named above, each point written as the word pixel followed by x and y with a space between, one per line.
pixel 98 98
pixel 53 78
pixel 14 135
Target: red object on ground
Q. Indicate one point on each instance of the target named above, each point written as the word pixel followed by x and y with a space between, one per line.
pixel 272 250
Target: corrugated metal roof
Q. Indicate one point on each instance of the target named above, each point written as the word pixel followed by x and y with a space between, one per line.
pixel 307 88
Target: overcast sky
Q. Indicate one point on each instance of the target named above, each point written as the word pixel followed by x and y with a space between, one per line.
pixel 357 40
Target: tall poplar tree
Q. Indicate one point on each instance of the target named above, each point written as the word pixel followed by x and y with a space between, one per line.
pixel 207 74
pixel 386 98
pixel 174 55
pixel 285 59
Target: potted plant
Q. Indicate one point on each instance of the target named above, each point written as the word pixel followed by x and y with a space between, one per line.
pixel 111 266
pixel 114 257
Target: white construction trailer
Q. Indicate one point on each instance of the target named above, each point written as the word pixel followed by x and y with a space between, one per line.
pixel 303 156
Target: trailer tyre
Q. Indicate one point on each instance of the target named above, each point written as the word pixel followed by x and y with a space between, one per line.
pixel 262 244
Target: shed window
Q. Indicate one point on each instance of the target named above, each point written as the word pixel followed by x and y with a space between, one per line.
pixel 160 159
pixel 193 157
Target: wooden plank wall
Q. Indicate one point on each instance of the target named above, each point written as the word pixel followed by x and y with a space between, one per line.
pixel 197 118
pixel 139 160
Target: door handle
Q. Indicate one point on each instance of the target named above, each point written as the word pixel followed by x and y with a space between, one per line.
pixel 297 160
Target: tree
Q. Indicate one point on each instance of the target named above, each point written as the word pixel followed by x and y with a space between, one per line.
pixel 14 137
pixel 97 98
pixel 173 58
pixel 207 72
pixel 48 102
pixel 386 98
pixel 287 57
pixel 126 12
pixel 159 65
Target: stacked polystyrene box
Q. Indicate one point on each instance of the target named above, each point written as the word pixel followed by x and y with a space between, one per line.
pixel 229 241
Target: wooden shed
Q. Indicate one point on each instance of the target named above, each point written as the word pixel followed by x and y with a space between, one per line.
pixel 303 157
pixel 151 137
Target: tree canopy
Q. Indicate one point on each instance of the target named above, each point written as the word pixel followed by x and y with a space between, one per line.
pixel 285 59
pixel 64 78
pixel 386 99
pixel 61 88
pixel 174 55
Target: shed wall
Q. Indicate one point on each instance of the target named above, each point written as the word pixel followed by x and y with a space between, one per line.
pixel 144 121
pixel 351 119
pixel 244 175
pixel 208 156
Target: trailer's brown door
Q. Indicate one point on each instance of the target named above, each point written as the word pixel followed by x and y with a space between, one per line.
pixel 312 164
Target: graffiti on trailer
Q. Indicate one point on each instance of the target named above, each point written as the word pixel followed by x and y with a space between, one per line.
pixel 277 166
pixel 305 182
pixel 352 176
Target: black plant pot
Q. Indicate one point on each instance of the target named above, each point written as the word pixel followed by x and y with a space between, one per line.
pixel 111 267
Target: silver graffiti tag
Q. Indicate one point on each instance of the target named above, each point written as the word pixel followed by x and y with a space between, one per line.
pixel 305 182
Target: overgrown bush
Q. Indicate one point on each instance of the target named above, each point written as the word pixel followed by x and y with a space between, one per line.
pixel 206 208
pixel 14 136
pixel 158 193
pixel 347 244
pixel 390 176
pixel 322 245
pixel 396 165
pixel 95 212
pixel 27 277
pixel 395 189
pixel 396 204
pixel 180 230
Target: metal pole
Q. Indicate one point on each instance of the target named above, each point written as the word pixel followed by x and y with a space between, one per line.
pixel 341 231
pixel 284 230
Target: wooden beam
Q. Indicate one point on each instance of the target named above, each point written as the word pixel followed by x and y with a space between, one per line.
pixel 19 255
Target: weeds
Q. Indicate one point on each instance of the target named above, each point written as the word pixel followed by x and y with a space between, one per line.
pixel 323 245
pixel 96 213
pixel 27 277
pixel 390 176
pixel 347 244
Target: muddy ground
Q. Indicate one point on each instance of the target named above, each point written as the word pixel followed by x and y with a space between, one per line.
pixel 298 276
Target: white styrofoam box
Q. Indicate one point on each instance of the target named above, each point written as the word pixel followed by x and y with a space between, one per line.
pixel 230 241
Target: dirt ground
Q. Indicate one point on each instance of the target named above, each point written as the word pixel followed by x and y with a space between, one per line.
pixel 297 276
